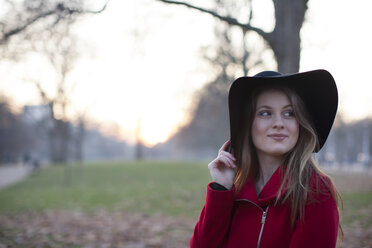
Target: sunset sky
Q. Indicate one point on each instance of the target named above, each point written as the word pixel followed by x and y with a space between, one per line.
pixel 141 61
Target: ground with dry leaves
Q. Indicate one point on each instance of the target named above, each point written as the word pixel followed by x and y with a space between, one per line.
pixel 101 229
pixel 126 227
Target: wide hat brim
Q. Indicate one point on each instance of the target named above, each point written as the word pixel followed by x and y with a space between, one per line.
pixel 316 88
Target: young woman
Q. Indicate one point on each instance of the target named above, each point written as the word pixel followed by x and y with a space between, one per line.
pixel 268 191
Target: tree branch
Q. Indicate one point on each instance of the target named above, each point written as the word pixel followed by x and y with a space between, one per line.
pixel 228 19
pixel 19 29
pixel 59 9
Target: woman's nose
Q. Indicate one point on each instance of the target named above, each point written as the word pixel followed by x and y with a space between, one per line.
pixel 278 122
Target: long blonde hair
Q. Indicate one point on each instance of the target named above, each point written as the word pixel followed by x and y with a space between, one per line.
pixel 299 163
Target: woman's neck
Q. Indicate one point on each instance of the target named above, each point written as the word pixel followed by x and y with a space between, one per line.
pixel 268 165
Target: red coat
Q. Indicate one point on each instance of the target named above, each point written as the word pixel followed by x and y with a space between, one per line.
pixel 250 221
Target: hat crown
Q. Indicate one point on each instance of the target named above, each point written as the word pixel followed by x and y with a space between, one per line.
pixel 268 74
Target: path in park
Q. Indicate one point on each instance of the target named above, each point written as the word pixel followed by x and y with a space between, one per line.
pixel 11 174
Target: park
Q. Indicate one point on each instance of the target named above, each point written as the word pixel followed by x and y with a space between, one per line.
pixel 111 111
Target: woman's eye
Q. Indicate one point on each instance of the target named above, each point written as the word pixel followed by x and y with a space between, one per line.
pixel 264 113
pixel 289 113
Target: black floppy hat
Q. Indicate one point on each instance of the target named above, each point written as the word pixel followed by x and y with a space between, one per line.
pixel 316 88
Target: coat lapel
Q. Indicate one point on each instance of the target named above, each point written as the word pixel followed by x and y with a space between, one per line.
pixel 268 193
pixel 248 192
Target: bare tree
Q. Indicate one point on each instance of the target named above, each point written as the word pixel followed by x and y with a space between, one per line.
pixel 139 142
pixel 79 138
pixel 43 26
pixel 284 40
pixel 59 49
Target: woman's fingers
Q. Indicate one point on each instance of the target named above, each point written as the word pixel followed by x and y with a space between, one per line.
pixel 224 158
pixel 220 161
pixel 225 146
pixel 223 150
pixel 229 155
pixel 226 161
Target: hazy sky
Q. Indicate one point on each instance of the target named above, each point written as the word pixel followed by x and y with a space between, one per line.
pixel 141 61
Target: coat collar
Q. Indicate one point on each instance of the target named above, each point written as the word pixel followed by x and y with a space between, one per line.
pixel 268 193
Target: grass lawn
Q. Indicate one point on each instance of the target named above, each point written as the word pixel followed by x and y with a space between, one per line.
pixel 150 187
pixel 357 209
pixel 168 188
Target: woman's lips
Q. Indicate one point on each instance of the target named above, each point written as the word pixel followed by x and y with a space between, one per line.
pixel 278 137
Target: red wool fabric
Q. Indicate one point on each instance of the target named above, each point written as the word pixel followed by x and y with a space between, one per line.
pixel 237 221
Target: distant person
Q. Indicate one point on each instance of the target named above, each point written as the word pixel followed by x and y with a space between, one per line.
pixel 267 190
pixel 26 159
pixel 35 165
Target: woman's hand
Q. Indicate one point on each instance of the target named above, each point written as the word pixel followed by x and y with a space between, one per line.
pixel 223 167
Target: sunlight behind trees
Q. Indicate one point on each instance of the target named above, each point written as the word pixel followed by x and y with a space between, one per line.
pixel 147 60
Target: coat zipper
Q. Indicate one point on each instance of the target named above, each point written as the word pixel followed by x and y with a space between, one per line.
pixel 262 225
pixel 263 219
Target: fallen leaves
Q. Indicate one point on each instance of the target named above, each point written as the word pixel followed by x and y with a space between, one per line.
pixel 101 229
pixel 105 229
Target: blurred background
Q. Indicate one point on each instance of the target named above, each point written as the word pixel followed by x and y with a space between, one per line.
pixel 102 102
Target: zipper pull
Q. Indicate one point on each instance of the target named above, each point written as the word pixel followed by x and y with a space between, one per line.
pixel 264 217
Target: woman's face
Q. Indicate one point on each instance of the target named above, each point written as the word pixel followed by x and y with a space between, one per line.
pixel 275 128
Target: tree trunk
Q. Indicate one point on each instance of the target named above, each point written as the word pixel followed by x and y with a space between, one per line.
pixel 59 139
pixel 79 140
pixel 285 39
